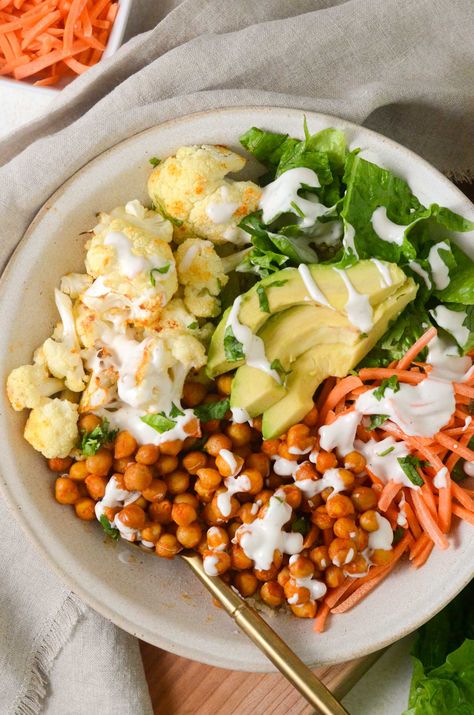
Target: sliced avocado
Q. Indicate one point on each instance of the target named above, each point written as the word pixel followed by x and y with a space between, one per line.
pixel 324 360
pixel 287 335
pixel 286 288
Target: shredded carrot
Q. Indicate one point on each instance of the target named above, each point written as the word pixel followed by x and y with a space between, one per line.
pixel 419 545
pixel 389 493
pixel 382 373
pixel 464 390
pixel 321 616
pixel 445 505
pixel 427 521
pixel 463 513
pixel 413 524
pixel 454 446
pixel 416 348
pixel 338 392
pixel 462 496
pixel 423 556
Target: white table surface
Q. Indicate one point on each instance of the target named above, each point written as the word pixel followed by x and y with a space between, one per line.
pixel 384 689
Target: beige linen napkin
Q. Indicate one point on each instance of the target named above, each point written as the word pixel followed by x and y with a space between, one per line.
pixel 402 67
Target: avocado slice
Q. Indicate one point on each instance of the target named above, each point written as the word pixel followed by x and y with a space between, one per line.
pixel 324 360
pixel 285 289
pixel 287 335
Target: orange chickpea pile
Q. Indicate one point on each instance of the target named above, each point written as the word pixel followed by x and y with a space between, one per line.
pixel 178 503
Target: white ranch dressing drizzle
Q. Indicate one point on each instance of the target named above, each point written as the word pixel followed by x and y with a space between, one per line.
pixel 296 450
pixel 401 516
pixel 284 467
pixel 349 556
pixel 311 487
pixel 264 535
pixel 130 264
pixel 233 485
pixel 278 197
pixel 239 416
pixel 236 235
pixel 467 422
pixel 469 469
pixel 439 269
pixel 317 589
pixel 191 254
pixel 230 460
pixel 416 268
pixel 386 466
pixel 340 434
pixel 115 497
pixel 358 308
pixel 452 321
pixel 383 537
pixel 310 284
pixel 210 564
pixel 385 229
pixel 214 531
pixel 384 270
pixel 440 481
pixel 252 345
pixel 348 239
pixel 222 212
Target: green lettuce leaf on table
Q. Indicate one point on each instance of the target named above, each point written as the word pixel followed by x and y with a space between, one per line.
pixel 443 657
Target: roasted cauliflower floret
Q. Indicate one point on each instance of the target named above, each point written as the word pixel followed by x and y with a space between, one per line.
pixel 201 272
pixel 51 428
pixel 73 284
pixel 179 183
pixel 201 302
pixel 188 351
pixel 30 385
pixel 216 217
pixel 62 351
pixel 134 213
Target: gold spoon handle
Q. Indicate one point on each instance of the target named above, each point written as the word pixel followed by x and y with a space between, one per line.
pixel 265 638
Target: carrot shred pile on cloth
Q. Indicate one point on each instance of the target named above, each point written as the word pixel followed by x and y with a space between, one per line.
pixel 46 40
pixel 429 510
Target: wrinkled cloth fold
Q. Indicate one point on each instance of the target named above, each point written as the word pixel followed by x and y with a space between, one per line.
pixel 400 67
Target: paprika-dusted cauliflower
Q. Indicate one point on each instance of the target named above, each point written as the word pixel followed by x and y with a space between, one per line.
pixel 73 284
pixel 201 272
pixel 30 385
pixel 146 220
pixel 187 187
pixel 62 351
pixel 51 428
pixel 175 316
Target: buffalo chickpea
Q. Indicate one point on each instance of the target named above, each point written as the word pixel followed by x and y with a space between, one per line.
pixel 347 478
pixel 345 528
pixel 255 480
pixel 189 535
pixel 151 532
pixel 304 610
pixel 216 442
pixel 342 551
pixel 137 477
pixel 299 439
pixel 120 465
pixel 141 502
pixel 301 567
pixel 321 518
pixel 187 498
pixel 100 463
pixel 292 495
pixel 59 464
pixel 357 566
pixel 193 393
pixel 257 423
pixel 248 513
pixel 320 557
pixel 217 538
pixel 160 512
pixel 216 562
pixel 177 482
pixel 295 594
pixel 270 447
pixel 258 461
pixel 193 461
pixel 66 490
pixel 96 486
pixel 272 594
pixel 361 539
pixel 240 434
pixel 224 384
pixel 132 516
pixel 167 546
pixel 311 537
pixel 274 482
pixel 243 452
pixel 283 575
pixel 264 496
pixel 88 422
pixel 311 419
pixel 155 491
pixel 125 445
pixel 166 464
pixel 205 495
pixel 364 498
pixel 234 506
pixel 229 467
pixel 85 509
pixel 183 514
pixel 368 520
pixel 233 527
pixel 111 512
pixel 246 583
pixel 381 557
pixel 284 452
pixel 270 574
pixel 209 478
pixel 339 505
pixel 79 471
pixel 171 448
pixel 239 559
pixel 325 461
pixel 147 454
pixel 305 471
pixel 355 461
pixel 334 576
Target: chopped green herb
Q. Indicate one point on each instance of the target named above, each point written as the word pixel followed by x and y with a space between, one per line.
pixel 398 535
pixel 108 528
pixel 159 421
pixel 276 284
pixel 193 326
pixel 263 299
pixel 385 452
pixel 297 209
pixel 409 465
pixel 300 525
pixel 278 367
pixel 92 441
pixel 233 348
pixel 390 383
pixel 364 335
pixel 212 410
pixel 154 161
pixel 175 411
pixel 162 270
pixel 282 501
pixel 376 421
pixel 175 221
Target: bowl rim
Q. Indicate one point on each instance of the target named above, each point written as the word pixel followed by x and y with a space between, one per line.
pixel 73 582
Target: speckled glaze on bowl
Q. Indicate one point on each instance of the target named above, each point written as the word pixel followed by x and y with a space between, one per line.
pixel 157 600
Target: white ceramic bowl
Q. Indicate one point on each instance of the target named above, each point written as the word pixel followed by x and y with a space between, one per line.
pixel 113 43
pixel 157 600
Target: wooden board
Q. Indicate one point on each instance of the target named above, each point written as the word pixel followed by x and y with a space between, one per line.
pixel 183 687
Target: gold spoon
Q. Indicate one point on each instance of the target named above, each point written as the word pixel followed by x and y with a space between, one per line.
pixel 265 638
